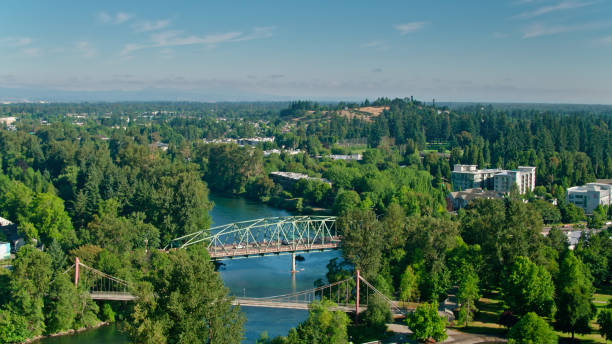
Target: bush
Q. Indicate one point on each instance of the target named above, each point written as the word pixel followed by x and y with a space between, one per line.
pixel 378 314
pixel 107 313
pixel 426 324
pixel 532 329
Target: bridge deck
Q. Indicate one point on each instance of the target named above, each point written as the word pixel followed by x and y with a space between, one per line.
pixel 252 302
pixel 112 296
pixel 258 249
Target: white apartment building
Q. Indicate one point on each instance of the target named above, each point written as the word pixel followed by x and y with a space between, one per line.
pixel 524 178
pixel 589 196
pixel 466 177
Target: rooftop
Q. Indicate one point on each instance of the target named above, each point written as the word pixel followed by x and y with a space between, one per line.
pixel 590 187
pixel 470 194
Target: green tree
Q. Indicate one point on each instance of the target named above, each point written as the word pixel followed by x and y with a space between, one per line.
pixel 29 283
pixel 184 301
pixel 346 201
pixel 14 327
pixel 58 256
pixel 550 213
pixel 409 288
pixel 570 213
pixel 426 324
pixel 363 240
pixel 108 313
pixel 505 230
pixel 574 295
pixel 604 320
pixel 598 219
pixel 48 216
pixel 467 295
pixel 378 314
pixel 529 288
pixel 61 304
pixel 532 329
pixel 428 241
pixel 323 326
pixel 595 251
pixel 394 224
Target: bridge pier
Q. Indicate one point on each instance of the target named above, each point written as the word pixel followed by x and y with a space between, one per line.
pixel 293 270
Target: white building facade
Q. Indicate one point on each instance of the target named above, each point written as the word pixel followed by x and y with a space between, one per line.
pixel 589 196
pixel 466 177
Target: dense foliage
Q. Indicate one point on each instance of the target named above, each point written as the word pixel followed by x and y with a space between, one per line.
pixel 111 183
pixel 182 300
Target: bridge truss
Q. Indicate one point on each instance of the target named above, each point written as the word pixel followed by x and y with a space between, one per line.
pixel 265 236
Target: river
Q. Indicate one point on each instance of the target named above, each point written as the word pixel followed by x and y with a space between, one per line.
pixel 253 277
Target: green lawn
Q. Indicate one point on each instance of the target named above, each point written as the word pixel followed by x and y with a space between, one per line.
pixel 490 306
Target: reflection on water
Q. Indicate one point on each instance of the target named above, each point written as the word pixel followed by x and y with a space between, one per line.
pixel 102 335
pixel 252 277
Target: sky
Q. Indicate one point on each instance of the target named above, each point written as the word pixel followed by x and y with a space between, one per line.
pixel 550 51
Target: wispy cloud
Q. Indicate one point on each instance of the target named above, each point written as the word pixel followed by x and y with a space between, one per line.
pixel 146 26
pixel 537 30
pixel 32 52
pixel 86 49
pixel 407 28
pixel 15 41
pixel 173 38
pixel 258 33
pixel 117 18
pixel 562 6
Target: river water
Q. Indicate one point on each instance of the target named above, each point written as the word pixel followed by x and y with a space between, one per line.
pixel 253 277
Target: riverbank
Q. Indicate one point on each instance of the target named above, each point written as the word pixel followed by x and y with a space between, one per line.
pixel 293 205
pixel 253 277
pixel 68 332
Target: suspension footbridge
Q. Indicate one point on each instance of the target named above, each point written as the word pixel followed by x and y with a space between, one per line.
pixel 351 295
pixel 101 286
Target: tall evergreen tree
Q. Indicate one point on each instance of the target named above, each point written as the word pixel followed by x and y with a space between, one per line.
pixel 574 294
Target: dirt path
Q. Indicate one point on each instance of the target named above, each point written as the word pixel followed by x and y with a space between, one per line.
pixel 402 335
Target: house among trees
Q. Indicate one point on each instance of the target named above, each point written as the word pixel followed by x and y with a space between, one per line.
pixel 8 232
pixel 460 199
pixel 287 179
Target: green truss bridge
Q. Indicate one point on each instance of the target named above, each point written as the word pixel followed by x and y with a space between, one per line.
pixel 266 236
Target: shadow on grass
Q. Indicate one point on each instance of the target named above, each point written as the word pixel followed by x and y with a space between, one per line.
pixel 605 289
pixel 484 330
pixel 578 340
pixel 489 310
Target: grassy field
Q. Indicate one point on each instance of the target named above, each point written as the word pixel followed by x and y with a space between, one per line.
pixel 490 307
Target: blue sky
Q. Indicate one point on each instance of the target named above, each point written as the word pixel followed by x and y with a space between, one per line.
pixel 492 51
